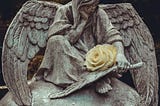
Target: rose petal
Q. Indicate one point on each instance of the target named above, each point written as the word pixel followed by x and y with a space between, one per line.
pixel 101 57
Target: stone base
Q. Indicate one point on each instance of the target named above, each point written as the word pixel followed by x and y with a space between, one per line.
pixel 120 95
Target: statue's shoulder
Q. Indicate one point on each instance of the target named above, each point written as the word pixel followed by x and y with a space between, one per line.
pixel 67 7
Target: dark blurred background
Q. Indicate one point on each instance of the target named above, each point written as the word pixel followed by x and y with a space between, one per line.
pixel 149 10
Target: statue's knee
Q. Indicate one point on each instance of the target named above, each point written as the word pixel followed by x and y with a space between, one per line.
pixel 56 39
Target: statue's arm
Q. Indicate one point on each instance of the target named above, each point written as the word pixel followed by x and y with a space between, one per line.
pixel 61 24
pixel 113 37
pixel 75 33
pixel 121 60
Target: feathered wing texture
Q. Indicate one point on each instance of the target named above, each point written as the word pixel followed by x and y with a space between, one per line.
pixel 139 47
pixel 26 35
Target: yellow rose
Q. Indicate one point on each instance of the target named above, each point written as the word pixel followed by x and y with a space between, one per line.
pixel 101 57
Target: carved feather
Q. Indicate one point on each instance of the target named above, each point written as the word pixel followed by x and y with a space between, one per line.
pixel 22 42
pixel 42 35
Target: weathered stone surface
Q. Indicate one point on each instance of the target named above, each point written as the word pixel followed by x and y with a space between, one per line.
pixel 121 94
pixel 28 34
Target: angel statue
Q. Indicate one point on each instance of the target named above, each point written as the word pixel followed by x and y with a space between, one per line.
pixel 87 46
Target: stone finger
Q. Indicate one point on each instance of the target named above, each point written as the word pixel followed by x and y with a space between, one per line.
pixel 120 65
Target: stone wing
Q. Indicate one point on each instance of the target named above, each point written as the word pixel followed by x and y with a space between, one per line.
pixel 26 35
pixel 139 47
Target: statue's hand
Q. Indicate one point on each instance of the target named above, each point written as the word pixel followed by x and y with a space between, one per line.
pixel 75 33
pixel 84 15
pixel 122 62
pixel 72 36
